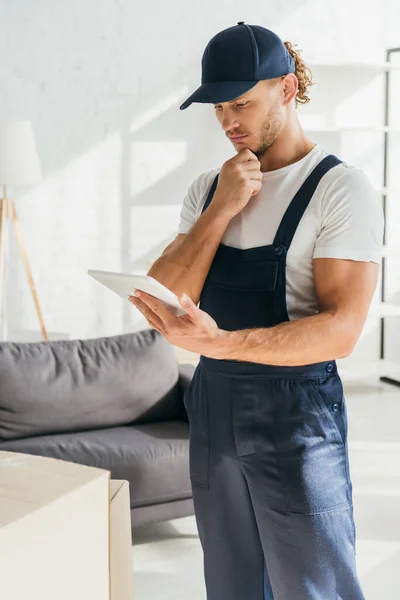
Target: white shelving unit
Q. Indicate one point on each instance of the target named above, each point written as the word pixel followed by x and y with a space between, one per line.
pixel 389 310
pixel 383 309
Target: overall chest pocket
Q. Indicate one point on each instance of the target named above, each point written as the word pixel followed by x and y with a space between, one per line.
pixel 251 275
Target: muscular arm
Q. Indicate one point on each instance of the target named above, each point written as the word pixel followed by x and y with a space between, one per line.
pixel 344 290
pixel 184 264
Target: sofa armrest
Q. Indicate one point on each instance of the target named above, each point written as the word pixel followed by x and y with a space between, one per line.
pixel 186 372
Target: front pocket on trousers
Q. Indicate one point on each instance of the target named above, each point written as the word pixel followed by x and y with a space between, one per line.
pixel 329 397
pixel 311 456
pixel 196 403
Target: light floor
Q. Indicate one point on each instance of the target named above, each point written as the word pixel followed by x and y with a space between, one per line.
pixel 167 558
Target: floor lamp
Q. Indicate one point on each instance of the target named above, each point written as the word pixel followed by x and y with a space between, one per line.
pixel 19 165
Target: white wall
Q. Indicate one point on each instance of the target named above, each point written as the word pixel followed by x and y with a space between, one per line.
pixel 102 81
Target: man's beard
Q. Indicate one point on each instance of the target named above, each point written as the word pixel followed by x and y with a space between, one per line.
pixel 269 132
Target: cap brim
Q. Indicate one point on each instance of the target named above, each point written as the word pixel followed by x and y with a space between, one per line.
pixel 223 91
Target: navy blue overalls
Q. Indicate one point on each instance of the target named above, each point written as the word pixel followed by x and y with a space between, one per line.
pixel 268 444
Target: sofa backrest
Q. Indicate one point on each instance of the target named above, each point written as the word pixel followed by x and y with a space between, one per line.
pixel 72 385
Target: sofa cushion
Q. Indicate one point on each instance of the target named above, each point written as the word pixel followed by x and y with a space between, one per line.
pixel 70 385
pixel 153 457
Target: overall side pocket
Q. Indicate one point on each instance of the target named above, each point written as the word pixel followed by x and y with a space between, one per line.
pixel 329 396
pixel 311 453
pixel 196 404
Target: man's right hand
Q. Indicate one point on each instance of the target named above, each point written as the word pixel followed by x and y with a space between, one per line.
pixel 240 179
pixel 185 264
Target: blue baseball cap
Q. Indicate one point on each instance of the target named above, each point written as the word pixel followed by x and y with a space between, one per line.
pixel 236 59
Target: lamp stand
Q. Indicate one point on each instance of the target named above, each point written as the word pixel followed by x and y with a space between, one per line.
pixel 8 212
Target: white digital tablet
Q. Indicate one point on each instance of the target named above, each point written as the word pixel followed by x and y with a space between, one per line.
pixel 124 284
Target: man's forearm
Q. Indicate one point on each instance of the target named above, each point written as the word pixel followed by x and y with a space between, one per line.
pixel 325 336
pixel 185 266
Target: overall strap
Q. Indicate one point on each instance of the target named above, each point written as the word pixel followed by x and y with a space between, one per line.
pixel 301 200
pixel 211 193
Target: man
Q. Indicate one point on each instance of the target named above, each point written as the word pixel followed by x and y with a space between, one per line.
pixel 281 247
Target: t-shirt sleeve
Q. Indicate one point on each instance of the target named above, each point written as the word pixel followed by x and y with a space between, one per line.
pixel 352 220
pixel 194 200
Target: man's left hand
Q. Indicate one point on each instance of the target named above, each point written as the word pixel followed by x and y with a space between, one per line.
pixel 195 331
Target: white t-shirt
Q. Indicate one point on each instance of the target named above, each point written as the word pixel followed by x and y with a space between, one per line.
pixel 343 220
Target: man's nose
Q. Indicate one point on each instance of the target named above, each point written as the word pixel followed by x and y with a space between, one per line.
pixel 229 122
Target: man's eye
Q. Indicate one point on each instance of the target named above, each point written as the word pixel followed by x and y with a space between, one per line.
pixel 239 105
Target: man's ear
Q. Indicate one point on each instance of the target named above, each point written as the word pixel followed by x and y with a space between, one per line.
pixel 290 87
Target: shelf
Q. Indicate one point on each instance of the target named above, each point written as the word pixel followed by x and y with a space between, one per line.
pixel 326 129
pixel 384 309
pixel 378 66
pixel 384 191
pixel 390 250
pixel 372 370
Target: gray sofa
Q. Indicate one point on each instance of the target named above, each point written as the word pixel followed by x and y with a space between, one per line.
pixel 112 402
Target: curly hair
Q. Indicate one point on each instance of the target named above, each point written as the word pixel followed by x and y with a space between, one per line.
pixel 303 74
